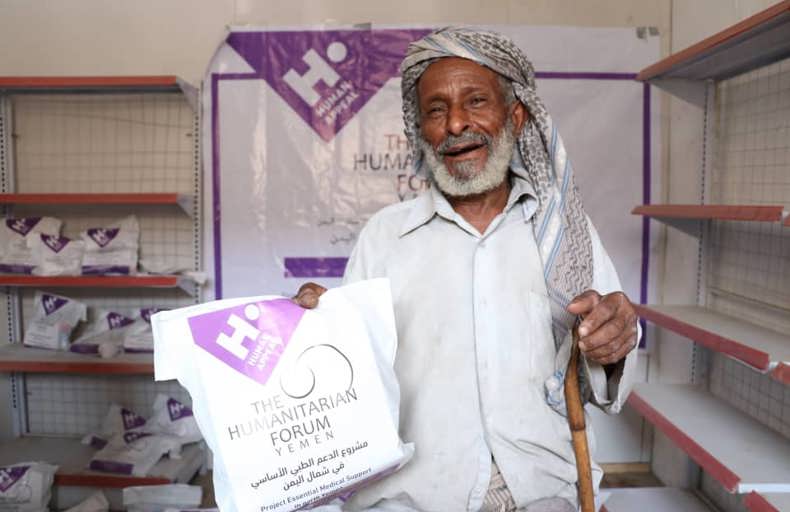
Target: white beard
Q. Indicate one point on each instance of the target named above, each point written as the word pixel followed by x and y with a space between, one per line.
pixel 467 182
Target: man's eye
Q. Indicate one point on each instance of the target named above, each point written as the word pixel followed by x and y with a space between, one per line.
pixel 478 100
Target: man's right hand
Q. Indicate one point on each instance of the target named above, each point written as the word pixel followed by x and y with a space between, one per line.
pixel 308 295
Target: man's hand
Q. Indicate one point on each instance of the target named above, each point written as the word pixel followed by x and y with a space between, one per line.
pixel 608 332
pixel 308 295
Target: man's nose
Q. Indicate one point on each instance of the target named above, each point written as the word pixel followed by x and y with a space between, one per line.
pixel 457 120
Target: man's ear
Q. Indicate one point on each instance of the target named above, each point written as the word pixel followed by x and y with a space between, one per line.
pixel 519 116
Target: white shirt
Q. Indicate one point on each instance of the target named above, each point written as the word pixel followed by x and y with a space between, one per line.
pixel 475 347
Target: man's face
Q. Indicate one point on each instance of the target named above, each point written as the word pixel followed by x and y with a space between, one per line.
pixel 463 113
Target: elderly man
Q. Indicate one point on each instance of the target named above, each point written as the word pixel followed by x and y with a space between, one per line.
pixel 489 269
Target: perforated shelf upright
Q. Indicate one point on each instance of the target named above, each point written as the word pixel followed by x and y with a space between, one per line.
pixel 91 150
pixel 734 419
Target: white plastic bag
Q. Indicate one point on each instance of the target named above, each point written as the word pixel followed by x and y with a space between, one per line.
pixel 157 498
pixel 139 337
pixel 15 256
pixel 96 502
pixel 54 318
pixel 297 406
pixel 55 255
pixel 173 418
pixel 107 328
pixel 26 487
pixel 113 249
pixel 118 420
pixel 132 453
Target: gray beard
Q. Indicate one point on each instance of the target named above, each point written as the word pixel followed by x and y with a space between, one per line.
pixel 467 182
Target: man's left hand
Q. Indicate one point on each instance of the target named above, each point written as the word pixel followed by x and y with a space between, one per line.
pixel 608 332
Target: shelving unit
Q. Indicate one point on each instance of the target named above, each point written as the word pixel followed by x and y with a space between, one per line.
pixel 90 150
pixel 750 44
pixel 19 358
pixel 732 422
pixel 765 350
pixel 739 452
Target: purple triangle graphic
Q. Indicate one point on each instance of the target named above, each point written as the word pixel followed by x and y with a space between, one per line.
pixel 103 236
pixel 52 303
pixel 177 410
pixel 56 243
pixel 22 225
pixel 250 338
pixel 116 321
pixel 10 475
pixel 326 77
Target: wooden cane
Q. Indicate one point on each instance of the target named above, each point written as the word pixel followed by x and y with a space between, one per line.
pixel 573 403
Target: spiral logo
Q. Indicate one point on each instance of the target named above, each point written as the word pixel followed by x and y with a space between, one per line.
pixel 314 367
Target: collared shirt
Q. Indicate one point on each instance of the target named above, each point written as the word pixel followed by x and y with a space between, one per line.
pixel 475 348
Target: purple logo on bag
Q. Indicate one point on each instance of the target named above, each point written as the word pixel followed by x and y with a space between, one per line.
pixel 22 225
pixel 116 321
pixel 10 475
pixel 146 313
pixel 130 437
pixel 103 236
pixel 250 338
pixel 56 243
pixel 52 303
pixel 325 76
pixel 177 410
pixel 130 419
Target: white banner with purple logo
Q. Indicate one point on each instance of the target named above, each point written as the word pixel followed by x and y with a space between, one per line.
pixel 303 141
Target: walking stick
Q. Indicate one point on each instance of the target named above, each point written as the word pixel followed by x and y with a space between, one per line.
pixel 573 403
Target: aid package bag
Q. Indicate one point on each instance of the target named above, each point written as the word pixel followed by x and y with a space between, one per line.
pixel 113 249
pixel 298 406
pixel 15 256
pixel 157 498
pixel 106 329
pixel 53 319
pixel 139 337
pixel 55 255
pixel 26 487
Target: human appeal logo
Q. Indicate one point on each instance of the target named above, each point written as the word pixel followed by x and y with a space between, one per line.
pixel 52 303
pixel 56 243
pixel 11 475
pixel 177 410
pixel 103 236
pixel 22 225
pixel 116 321
pixel 130 419
pixel 326 77
pixel 250 338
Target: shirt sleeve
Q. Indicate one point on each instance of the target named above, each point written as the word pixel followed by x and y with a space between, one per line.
pixel 356 269
pixel 608 394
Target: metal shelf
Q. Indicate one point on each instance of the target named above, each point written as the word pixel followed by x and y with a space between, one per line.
pixel 686 217
pixel 736 450
pixel 16 357
pixel 749 44
pixel 761 348
pixel 768 502
pixel 72 457
pixel 136 281
pixel 181 200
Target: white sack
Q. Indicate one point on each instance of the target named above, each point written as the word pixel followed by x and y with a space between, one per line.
pixel 297 406
pixel 26 487
pixel 139 337
pixel 107 328
pixel 54 318
pixel 15 256
pixel 113 249
pixel 132 453
pixel 55 255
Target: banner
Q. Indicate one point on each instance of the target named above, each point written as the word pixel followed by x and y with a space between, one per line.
pixel 304 141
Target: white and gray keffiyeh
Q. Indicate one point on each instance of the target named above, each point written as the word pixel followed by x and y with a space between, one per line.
pixel 560 224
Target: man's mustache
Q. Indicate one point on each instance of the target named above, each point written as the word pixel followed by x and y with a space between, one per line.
pixel 465 139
